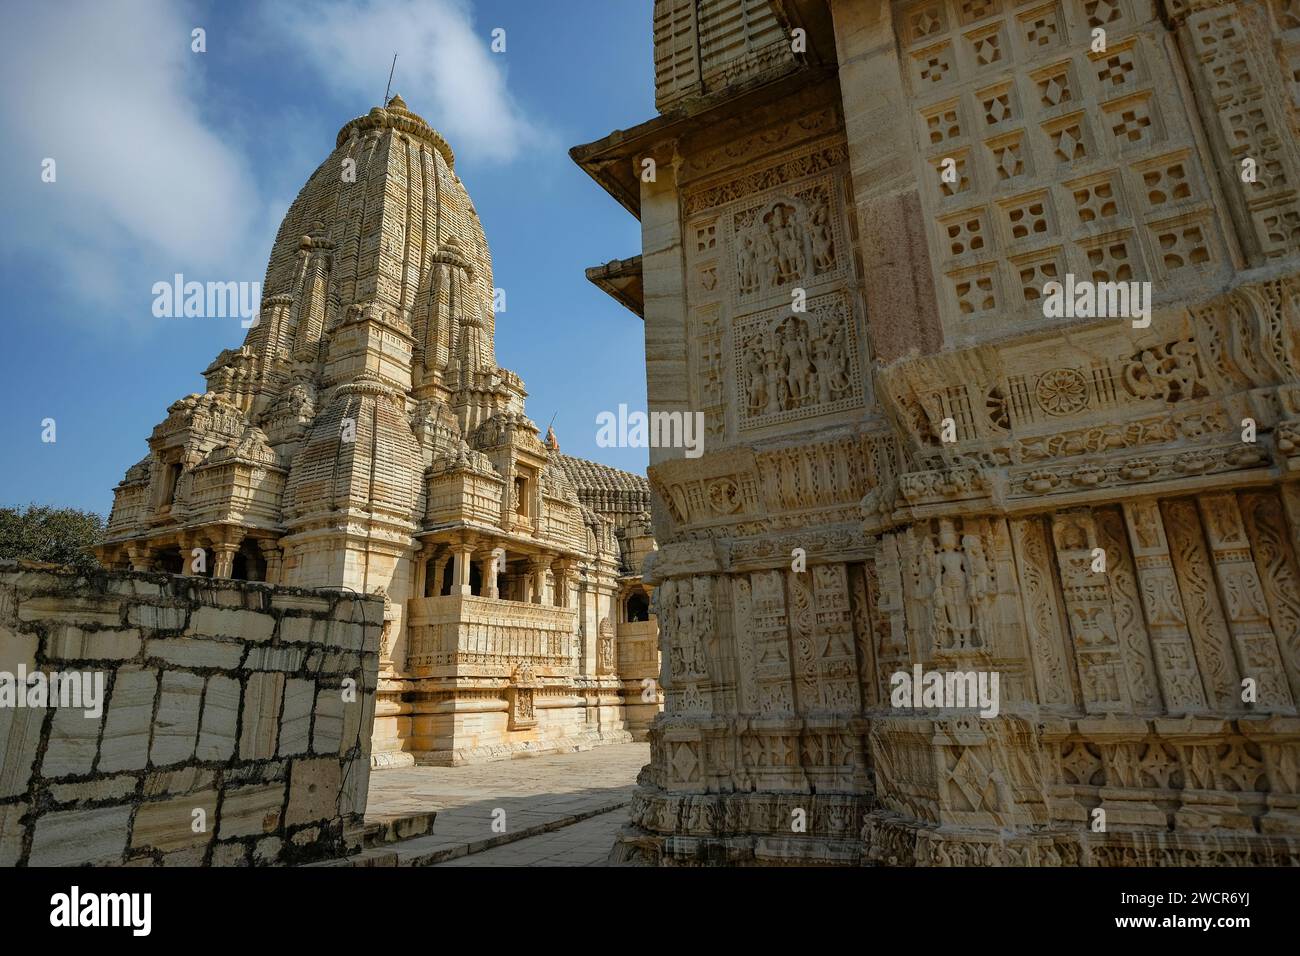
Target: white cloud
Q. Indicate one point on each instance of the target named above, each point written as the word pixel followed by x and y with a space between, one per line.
pixel 446 71
pixel 112 92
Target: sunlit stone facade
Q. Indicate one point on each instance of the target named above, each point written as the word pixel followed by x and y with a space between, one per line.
pixel 363 437
pixel 1102 511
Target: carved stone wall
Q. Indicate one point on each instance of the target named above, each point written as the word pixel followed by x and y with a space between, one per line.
pixel 923 471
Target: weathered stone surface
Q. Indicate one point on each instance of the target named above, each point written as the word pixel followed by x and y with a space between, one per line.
pixel 231 622
pixel 327 732
pixel 70 608
pixel 11 833
pixel 179 781
pixel 191 652
pixel 220 719
pixel 182 822
pixel 295 725
pixel 78 837
pixel 176 724
pixel 125 795
pixel 274 658
pixel 128 728
pixel 20 736
pixel 157 618
pixel 314 786
pixel 71 643
pixel 263 693
pixel 17 649
pixel 73 743
pixel 251 811
pixel 104 790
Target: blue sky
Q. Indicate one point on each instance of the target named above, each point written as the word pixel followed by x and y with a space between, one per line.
pixel 173 161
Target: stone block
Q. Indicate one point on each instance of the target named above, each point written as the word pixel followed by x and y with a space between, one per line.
pixel 177 723
pixel 314 787
pixel 171 824
pixel 261 715
pixel 295 725
pixel 267 850
pixel 274 658
pixel 230 854
pixel 17 649
pixel 11 833
pixel 156 618
pixel 231 622
pixel 72 608
pixel 112 789
pixel 300 602
pixel 251 811
pixel 78 837
pixel 178 781
pixel 220 719
pixel 130 719
pixel 71 643
pixel 189 652
pixel 73 744
pixel 20 736
pixel 305 630
pixel 328 731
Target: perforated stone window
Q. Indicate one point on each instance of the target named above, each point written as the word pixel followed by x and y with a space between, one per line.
pixel 1096 199
pixel 1029 217
pixel 1055 86
pixel 932 66
pixel 942 124
pixel 998 105
pixel 1042 28
pixel 1180 245
pixel 987 47
pixel 1009 156
pixel 1116 69
pixel 1130 121
pixel 966 233
pixel 1113 259
pixel 976 291
pixel 1036 270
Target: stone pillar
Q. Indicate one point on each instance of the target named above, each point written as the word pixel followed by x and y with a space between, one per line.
pixel 877 122
pixel 223 563
pixel 439 569
pixel 462 554
pixel 186 542
pixel 273 556
pixel 489 566
pixel 421 558
pixel 560 570
pixel 140 557
pixel 537 574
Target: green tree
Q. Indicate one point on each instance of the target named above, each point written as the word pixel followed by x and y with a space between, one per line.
pixel 56 535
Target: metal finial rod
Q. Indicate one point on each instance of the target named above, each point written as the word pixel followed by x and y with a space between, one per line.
pixel 390 79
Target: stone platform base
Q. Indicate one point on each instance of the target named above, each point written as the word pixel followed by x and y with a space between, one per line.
pixel 886 842
pixel 459 757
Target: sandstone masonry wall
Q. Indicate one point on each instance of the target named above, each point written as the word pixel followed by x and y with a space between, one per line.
pixel 227 734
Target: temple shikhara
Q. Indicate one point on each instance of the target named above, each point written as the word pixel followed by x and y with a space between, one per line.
pixel 851 211
pixel 364 438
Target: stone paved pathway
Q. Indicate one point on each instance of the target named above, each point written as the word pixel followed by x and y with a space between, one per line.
pixel 563 808
pixel 580 844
